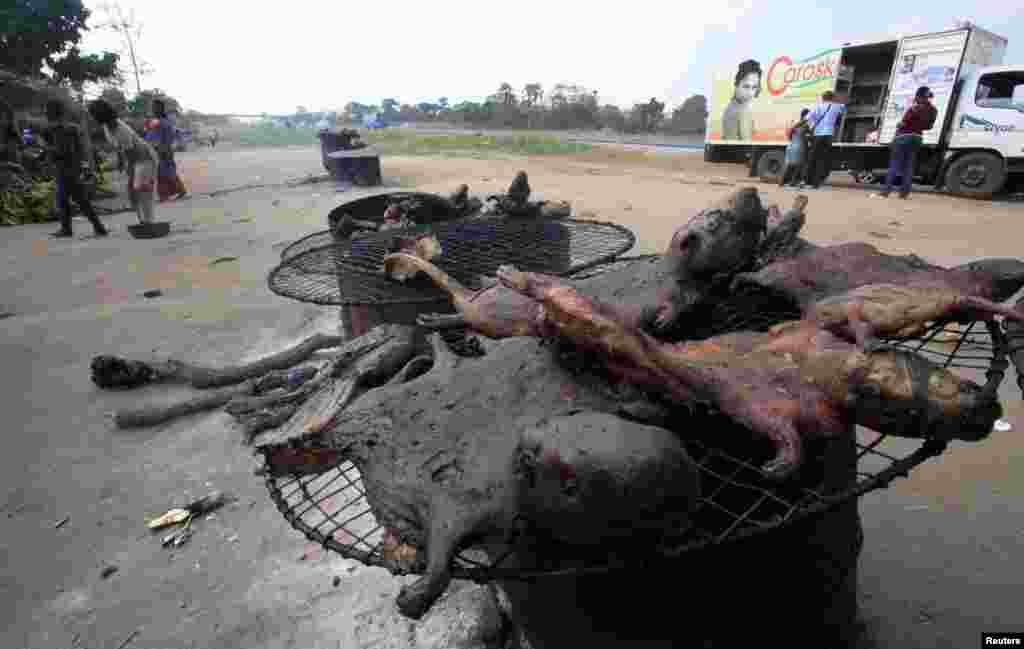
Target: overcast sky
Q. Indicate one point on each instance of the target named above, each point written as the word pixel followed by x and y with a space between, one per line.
pixel 226 56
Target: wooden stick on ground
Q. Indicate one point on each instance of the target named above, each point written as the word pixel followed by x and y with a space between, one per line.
pixel 245 398
pixel 151 415
pixel 114 372
pixel 331 391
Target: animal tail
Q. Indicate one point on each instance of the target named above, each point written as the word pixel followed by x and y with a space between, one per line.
pixel 401 264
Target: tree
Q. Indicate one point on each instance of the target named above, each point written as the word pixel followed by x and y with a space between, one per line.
pixel 647 117
pixel 443 103
pixel 691 116
pixel 354 111
pixel 34 33
pixel 559 96
pixel 428 109
pixel 506 95
pixel 611 117
pixel 142 103
pixel 390 109
pixel 116 98
pixel 533 94
pixel 129 28
pixel 76 69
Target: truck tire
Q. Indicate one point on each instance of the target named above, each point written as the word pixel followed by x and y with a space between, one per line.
pixel 770 165
pixel 976 175
pixel 711 153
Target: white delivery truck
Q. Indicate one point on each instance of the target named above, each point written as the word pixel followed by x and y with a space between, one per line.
pixel 977 142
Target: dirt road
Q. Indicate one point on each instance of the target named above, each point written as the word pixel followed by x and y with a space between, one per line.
pixel 942 559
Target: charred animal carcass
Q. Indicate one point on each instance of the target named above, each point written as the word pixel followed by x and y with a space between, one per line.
pixel 476 448
pixel 796 380
pixel 720 240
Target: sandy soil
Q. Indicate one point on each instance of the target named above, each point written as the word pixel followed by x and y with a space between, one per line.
pixel 942 559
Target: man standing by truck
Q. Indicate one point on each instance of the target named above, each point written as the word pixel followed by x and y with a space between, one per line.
pixel 920 117
pixel 823 121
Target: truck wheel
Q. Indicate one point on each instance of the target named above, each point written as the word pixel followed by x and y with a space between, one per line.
pixel 976 175
pixel 711 153
pixel 770 165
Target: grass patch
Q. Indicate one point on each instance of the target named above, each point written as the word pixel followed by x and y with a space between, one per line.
pixel 404 142
pixel 266 135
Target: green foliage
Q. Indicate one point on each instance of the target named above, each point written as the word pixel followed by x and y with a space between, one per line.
pixel 28 203
pixel 400 142
pixel 268 135
pixel 76 69
pixel 34 33
pixel 691 116
pixel 569 106
pixel 116 98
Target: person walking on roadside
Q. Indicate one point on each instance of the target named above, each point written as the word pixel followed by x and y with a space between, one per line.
pixel 138 156
pixel 919 118
pixel 168 182
pixel 823 121
pixel 66 146
pixel 796 151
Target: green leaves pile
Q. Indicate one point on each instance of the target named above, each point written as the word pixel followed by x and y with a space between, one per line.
pixel 27 202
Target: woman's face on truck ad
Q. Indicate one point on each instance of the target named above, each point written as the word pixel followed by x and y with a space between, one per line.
pixel 746 89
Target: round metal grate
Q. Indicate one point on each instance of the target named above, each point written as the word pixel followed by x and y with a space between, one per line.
pixel 351 271
pixel 331 508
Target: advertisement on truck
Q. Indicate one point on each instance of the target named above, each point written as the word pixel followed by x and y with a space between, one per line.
pixel 754 102
pixel 931 60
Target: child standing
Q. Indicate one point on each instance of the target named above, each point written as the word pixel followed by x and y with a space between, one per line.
pixel 796 151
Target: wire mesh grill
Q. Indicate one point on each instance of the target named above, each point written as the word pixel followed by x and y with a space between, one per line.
pixel 737 502
pixel 351 271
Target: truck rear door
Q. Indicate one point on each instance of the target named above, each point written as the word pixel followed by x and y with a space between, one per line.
pixel 931 60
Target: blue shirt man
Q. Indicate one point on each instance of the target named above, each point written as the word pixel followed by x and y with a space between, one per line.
pixel 825 115
pixel 823 119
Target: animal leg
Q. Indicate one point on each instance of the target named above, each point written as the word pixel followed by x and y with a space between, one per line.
pixel 788 448
pixel 449 525
pixel 437 321
pixel 415 600
pixel 972 303
pixel 864 331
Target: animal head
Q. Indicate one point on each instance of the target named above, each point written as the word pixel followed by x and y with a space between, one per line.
pixel 722 238
pixel 1005 276
pixel 901 393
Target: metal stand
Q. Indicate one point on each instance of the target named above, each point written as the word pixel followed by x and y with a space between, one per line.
pixel 796 586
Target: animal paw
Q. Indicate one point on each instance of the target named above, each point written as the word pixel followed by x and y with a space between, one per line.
pixel 512 277
pixel 440 321
pixel 415 600
pixel 779 468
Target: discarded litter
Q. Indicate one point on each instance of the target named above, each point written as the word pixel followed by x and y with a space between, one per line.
pixel 108 571
pixel 1002 426
pixel 153 293
pixel 61 523
pixel 180 537
pixel 222 260
pixel 186 514
pixel 171 517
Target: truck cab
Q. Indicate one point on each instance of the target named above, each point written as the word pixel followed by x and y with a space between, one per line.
pixel 985 142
